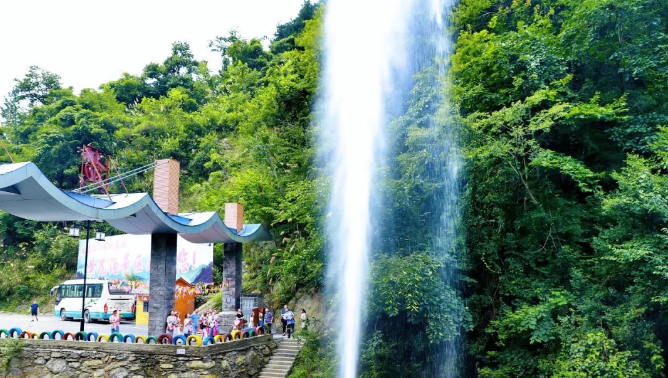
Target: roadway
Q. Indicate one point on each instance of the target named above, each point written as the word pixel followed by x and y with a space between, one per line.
pixel 50 323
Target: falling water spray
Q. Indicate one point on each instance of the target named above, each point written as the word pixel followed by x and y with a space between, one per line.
pixel 368 54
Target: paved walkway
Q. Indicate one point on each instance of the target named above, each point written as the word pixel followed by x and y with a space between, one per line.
pixel 50 323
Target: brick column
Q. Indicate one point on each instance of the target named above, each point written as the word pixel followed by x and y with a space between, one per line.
pixel 232 276
pixel 163 278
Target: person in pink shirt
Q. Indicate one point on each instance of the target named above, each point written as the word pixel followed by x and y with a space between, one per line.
pixel 115 321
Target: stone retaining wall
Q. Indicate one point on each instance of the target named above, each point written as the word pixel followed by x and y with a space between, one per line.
pixel 77 359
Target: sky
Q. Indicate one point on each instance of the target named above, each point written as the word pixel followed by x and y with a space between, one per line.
pixel 88 43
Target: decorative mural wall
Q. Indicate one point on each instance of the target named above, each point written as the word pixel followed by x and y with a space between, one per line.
pixel 126 261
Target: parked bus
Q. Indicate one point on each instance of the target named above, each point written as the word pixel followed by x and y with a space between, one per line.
pixel 101 300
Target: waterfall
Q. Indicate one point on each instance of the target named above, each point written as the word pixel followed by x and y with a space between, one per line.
pixel 372 49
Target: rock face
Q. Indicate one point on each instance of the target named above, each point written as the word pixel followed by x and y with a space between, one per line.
pixel 51 358
pixel 315 309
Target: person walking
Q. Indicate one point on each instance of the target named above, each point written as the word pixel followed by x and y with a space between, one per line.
pixel 177 326
pixel 303 318
pixel 115 321
pixel 188 325
pixel 34 309
pixel 194 318
pixel 204 325
pixel 214 323
pixel 239 321
pixel 289 317
pixel 268 321
pixel 283 321
pixel 171 322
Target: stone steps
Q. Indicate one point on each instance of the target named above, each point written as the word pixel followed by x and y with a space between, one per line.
pixel 282 360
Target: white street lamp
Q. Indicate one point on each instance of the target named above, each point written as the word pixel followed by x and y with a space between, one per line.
pixel 74 231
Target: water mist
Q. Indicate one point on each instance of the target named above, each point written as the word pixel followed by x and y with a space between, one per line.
pixel 371 52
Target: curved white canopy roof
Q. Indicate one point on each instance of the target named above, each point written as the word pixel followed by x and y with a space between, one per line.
pixel 27 193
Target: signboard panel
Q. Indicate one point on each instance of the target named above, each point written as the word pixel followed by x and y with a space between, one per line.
pixel 127 260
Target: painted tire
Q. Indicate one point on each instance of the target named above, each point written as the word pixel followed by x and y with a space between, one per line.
pixel 219 339
pixel 45 335
pixel 251 332
pixel 179 337
pixel 129 336
pixel 259 331
pixel 93 335
pixel 245 335
pixel 25 333
pixel 16 331
pixel 102 337
pixel 165 337
pixel 115 336
pixel 34 336
pixel 80 336
pixel 152 338
pixel 227 337
pixel 69 335
pixel 138 339
pixel 4 332
pixel 236 335
pixel 209 341
pixel 61 333
pixel 198 340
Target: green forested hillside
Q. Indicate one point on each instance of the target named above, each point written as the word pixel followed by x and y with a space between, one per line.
pixel 242 134
pixel 562 109
pixel 564 102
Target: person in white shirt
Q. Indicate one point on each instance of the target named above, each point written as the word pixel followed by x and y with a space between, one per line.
pixel 177 325
pixel 115 321
pixel 187 326
pixel 303 318
pixel 172 321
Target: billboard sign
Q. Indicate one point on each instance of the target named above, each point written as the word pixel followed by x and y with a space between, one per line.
pixel 126 259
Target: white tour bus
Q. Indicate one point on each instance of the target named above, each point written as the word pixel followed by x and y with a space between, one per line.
pixel 101 300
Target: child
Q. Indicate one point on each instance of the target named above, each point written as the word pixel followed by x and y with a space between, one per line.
pixel 115 321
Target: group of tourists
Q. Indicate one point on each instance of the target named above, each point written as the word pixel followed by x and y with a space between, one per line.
pixel 205 324
pixel 288 320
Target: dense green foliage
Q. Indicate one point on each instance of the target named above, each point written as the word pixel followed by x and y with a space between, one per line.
pixel 242 135
pixel 563 111
pixel 563 102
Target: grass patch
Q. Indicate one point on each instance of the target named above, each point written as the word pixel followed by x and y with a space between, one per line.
pixel 10 349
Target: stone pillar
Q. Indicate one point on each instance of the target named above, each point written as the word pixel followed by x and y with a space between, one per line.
pixel 232 285
pixel 232 276
pixel 163 279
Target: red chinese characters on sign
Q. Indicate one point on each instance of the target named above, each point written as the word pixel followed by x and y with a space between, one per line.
pixel 126 264
pixel 102 270
pixel 114 266
pixel 183 263
pixel 138 264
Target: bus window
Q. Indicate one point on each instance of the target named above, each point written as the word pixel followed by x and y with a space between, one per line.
pixel 113 290
pixel 66 291
pixel 94 291
pixel 71 291
pixel 59 294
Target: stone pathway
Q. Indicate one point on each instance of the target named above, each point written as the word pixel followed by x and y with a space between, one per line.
pixel 281 361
